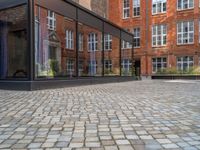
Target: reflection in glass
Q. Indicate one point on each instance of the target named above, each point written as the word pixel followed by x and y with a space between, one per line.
pixel 55 48
pixel 13 43
pixel 126 59
pixel 90 51
pixel 111 55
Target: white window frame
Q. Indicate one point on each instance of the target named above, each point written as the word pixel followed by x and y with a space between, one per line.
pixel 126 9
pixel 181 62
pixel 136 8
pixel 70 67
pixel 69 39
pixel 107 42
pixel 162 63
pixel 126 45
pixel 136 32
pixel 181 33
pixel 182 4
pixel 92 42
pixel 92 65
pixel 159 37
pixel 51 18
pixel 158 3
pixel 128 63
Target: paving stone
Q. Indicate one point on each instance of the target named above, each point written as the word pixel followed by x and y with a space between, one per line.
pixel 111 148
pixel 122 142
pixel 125 147
pixel 171 146
pixel 106 116
pixel 163 141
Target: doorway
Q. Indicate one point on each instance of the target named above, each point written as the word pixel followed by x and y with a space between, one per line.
pixel 137 68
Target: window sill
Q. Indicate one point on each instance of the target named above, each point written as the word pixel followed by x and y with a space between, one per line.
pixel 183 10
pixel 185 44
pixel 160 46
pixel 126 18
pixel 159 14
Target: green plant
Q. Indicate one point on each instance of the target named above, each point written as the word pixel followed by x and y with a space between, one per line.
pixel 175 71
pixel 54 67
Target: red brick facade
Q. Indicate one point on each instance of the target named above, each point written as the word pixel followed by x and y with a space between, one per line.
pixel 146 20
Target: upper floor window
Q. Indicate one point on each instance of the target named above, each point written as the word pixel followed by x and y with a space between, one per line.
pixel 51 19
pixel 126 9
pixel 159 6
pixel 159 35
pixel 136 8
pixel 136 32
pixel 92 42
pixel 108 42
pixel 185 32
pixel 185 4
pixel 69 39
pixel 126 45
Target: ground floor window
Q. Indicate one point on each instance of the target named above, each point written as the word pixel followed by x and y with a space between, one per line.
pixel 108 66
pixel 185 63
pixel 70 67
pixel 159 64
pixel 126 67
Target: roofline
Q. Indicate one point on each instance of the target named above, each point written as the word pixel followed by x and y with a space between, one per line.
pixel 97 16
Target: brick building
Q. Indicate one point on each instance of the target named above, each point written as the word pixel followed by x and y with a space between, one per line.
pixel 166 32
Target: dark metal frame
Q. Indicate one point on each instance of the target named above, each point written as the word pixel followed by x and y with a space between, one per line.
pixel 104 26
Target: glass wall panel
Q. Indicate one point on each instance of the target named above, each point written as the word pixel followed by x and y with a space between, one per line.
pixel 13 43
pixel 111 55
pixel 126 59
pixel 55 44
pixel 90 51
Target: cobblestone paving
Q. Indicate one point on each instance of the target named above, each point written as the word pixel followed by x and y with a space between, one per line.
pixel 136 115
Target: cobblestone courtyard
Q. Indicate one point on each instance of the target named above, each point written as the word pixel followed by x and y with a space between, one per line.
pixel 136 115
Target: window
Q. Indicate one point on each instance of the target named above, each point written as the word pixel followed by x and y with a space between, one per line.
pixel 185 63
pixel 108 66
pixel 69 39
pixel 126 9
pixel 136 32
pixel 126 65
pixel 159 6
pixel 80 67
pixel 185 32
pixel 185 4
pixel 70 67
pixel 92 42
pixel 159 35
pixel 80 42
pixel 159 64
pixel 108 42
pixel 92 67
pixel 136 8
pixel 51 20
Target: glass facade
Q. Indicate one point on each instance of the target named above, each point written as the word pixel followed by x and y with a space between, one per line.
pixel 64 42
pixel 13 43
